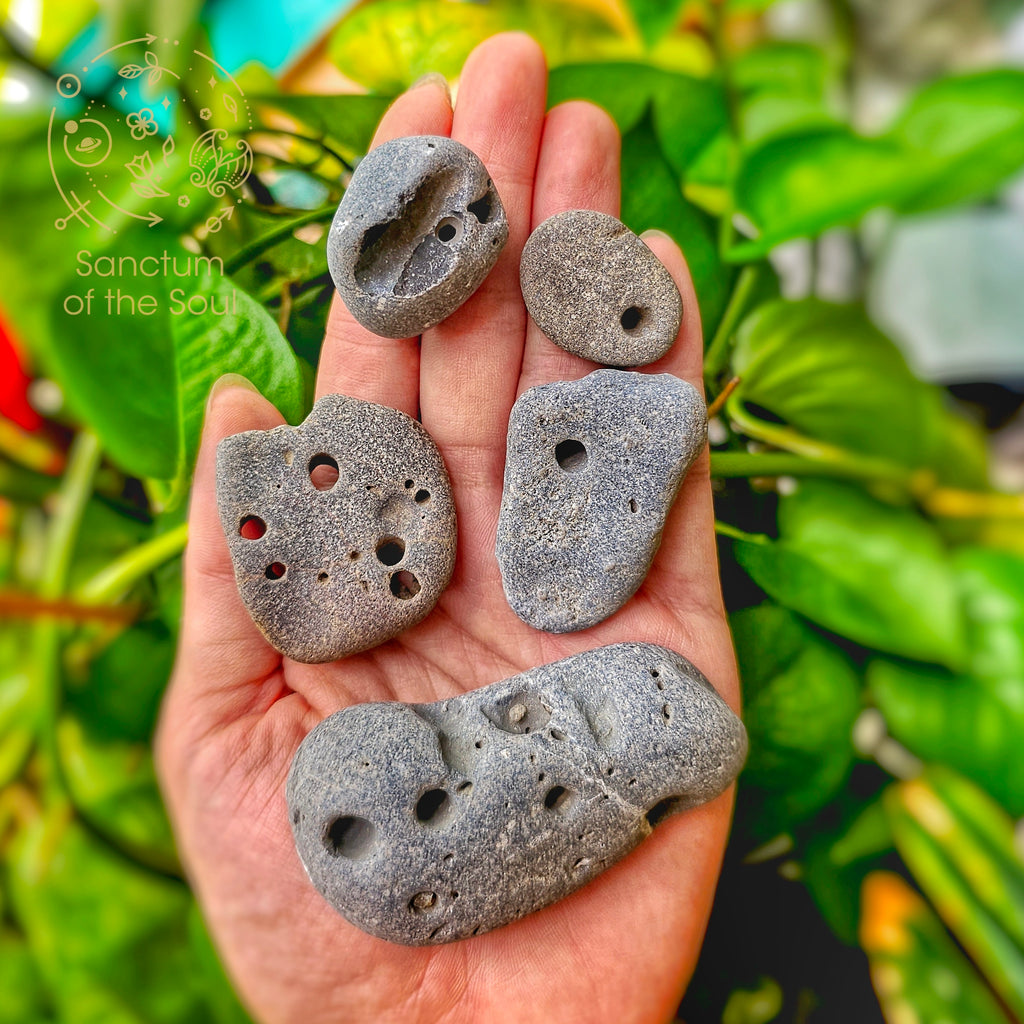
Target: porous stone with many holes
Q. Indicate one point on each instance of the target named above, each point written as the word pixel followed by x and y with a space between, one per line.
pixel 418 229
pixel 341 530
pixel 591 471
pixel 425 823
pixel 596 290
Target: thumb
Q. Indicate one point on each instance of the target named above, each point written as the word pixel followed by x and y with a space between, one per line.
pixel 220 648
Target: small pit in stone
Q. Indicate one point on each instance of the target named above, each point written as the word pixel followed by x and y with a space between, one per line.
pixel 323 471
pixel 433 808
pixel 404 585
pixel 423 902
pixel 631 318
pixel 571 455
pixel 252 527
pixel 349 836
pixel 421 496
pixel 481 208
pixel 633 506
pixel 390 550
pixel 663 808
pixel 558 799
pixel 275 571
pixel 323 577
pixel 449 230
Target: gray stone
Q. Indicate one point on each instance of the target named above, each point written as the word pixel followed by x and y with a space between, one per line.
pixel 425 823
pixel 341 530
pixel 417 231
pixel 591 470
pixel 596 290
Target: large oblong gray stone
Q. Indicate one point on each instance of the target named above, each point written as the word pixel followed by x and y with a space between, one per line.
pixel 341 530
pixel 418 229
pixel 425 823
pixel 596 290
pixel 591 470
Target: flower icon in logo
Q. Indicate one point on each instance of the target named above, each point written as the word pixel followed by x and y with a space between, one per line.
pixel 206 113
pixel 183 200
pixel 141 168
pixel 141 124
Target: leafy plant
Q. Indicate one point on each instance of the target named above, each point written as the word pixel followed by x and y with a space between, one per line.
pixel 876 604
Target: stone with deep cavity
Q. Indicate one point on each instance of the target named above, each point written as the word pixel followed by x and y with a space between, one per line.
pixel 417 231
pixel 591 471
pixel 596 290
pixel 341 530
pixel 425 823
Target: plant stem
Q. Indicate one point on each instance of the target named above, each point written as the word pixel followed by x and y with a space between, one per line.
pixel 725 530
pixel 116 578
pixel 770 464
pixel 839 460
pixel 72 498
pixel 260 245
pixel 717 356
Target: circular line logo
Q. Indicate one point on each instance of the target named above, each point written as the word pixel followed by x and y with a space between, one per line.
pixel 104 153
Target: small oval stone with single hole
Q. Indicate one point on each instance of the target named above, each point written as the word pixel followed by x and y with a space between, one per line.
pixel 426 823
pixel 596 290
pixel 334 546
pixel 419 228
pixel 591 470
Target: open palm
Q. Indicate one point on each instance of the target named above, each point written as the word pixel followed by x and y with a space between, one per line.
pixel 621 948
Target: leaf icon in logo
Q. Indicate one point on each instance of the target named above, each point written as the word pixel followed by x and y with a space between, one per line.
pixel 230 105
pixel 130 71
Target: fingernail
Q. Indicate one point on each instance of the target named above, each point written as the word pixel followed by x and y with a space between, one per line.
pixel 432 78
pixel 230 380
pixel 655 233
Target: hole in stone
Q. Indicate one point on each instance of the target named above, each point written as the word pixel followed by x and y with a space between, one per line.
pixel 582 862
pixel 558 799
pixel 404 585
pixel 557 734
pixel 478 929
pixel 465 788
pixel 433 807
pixel 434 932
pixel 421 496
pixel 571 455
pixel 633 506
pixel 275 570
pixel 662 809
pixel 390 550
pixel 540 778
pixel 350 837
pixel 478 744
pixel 295 817
pixel 323 472
pixel 371 236
pixel 454 895
pixel 610 770
pixel 353 556
pixel 448 858
pixel 449 229
pixel 481 208
pixel 408 484
pixel 323 577
pixel 631 318
pixel 666 710
pixel 423 902
pixel 252 527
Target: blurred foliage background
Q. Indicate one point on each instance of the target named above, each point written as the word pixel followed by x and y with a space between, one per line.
pixel 844 178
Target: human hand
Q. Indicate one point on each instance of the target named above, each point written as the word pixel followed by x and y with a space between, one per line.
pixel 621 948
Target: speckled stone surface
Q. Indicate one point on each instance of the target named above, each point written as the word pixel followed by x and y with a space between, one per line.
pixel 341 530
pixel 596 290
pixel 426 823
pixel 418 229
pixel 591 470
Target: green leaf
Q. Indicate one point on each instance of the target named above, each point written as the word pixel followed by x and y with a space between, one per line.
pixel 959 846
pixel 870 572
pixel 22 996
pixel 388 44
pixel 110 939
pixel 958 721
pixel 800 701
pixel 160 365
pixel 964 135
pixel 654 200
pixel 802 184
pixel 830 374
pixel 655 17
pixel 991 586
pixel 918 971
pixel 688 113
pixel 349 120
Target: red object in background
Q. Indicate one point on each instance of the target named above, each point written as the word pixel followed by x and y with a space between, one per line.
pixel 14 382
